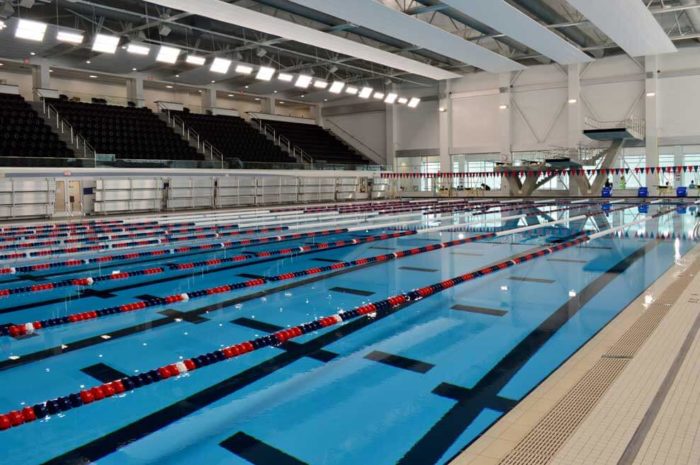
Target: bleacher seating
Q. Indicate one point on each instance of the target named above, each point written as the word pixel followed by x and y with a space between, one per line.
pixel 234 137
pixel 128 133
pixel 319 143
pixel 25 135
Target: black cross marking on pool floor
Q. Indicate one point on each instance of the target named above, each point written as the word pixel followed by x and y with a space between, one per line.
pixel 459 393
pixel 184 316
pixel 95 293
pixel 320 355
pixel 328 260
pixel 257 452
pixel 481 310
pixel 397 361
pixel 431 447
pixel 417 268
pixel 103 373
pixel 531 280
pixel 347 290
pixel 30 277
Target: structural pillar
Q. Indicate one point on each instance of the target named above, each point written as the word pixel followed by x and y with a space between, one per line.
pixel 504 116
pixel 317 113
pixel 209 99
pixel 391 131
pixel 134 91
pixel 445 125
pixel 267 105
pixel 651 120
pixel 41 76
pixel 575 122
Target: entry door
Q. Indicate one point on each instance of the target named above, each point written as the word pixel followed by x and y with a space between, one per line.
pixel 60 205
pixel 75 198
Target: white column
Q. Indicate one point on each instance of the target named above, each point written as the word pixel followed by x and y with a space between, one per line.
pixel 504 115
pixel 651 105
pixel 208 99
pixel 445 125
pixel 41 76
pixel 267 105
pixel 575 122
pixel 391 133
pixel 317 113
pixel 134 91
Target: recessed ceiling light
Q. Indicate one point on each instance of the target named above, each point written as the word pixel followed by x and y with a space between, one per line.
pixel 336 87
pixel 303 95
pixel 88 61
pixel 32 53
pixel 220 65
pixel 378 95
pixel 105 44
pixel 92 76
pixel 2 25
pixel 30 30
pixel 274 91
pixel 213 81
pixel 281 103
pixel 503 107
pixel 50 71
pixel 651 94
pixel 325 99
pixel 133 69
pixel 352 90
pixel 168 86
pixel 390 98
pixel 265 73
pixel 403 100
pixel 246 87
pixel 230 95
pixel 413 103
pixel 572 100
pixel 195 60
pixel 319 84
pixel 70 37
pixel 257 99
pixel 286 77
pixel 244 69
pixel 177 75
pixel 137 49
pixel 303 81
pixel 365 92
pixel 168 54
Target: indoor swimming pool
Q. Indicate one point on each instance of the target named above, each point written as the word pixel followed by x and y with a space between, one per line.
pixel 363 333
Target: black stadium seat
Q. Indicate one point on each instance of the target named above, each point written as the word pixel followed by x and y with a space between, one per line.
pixel 24 133
pixel 126 132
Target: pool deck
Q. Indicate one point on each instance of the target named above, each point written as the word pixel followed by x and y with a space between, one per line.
pixel 628 397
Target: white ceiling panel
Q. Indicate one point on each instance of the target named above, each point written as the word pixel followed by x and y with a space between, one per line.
pixel 232 14
pixel 510 21
pixel 629 23
pixel 377 17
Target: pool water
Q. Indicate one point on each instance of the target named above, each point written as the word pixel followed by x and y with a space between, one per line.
pixel 414 386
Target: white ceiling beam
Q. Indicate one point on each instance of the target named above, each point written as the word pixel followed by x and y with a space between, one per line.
pixel 232 14
pixel 515 24
pixel 629 24
pixel 393 23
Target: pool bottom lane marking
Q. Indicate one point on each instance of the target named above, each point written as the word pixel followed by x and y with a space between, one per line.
pixel 257 452
pixel 62 404
pixel 397 361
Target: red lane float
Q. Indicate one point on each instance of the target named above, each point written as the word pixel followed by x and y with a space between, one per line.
pixel 384 307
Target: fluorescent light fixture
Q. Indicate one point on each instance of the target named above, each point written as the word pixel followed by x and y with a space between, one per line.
pixel 303 81
pixel 366 92
pixel 168 54
pixel 442 109
pixel 336 87
pixel 265 73
pixel 137 49
pixel 30 30
pixel 413 103
pixel 244 69
pixel 503 107
pixel 286 77
pixel 390 97
pixel 352 90
pixel 92 76
pixel 220 65
pixel 195 60
pixel 379 95
pixel 403 100
pixel 168 86
pixel 105 44
pixel 572 101
pixel 651 94
pixel 70 37
pixel 319 84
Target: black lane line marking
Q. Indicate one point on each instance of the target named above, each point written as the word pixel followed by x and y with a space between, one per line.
pixel 531 280
pixel 434 443
pixel 251 276
pixel 184 316
pixel 567 260
pixel 154 281
pixel 146 297
pixel 103 373
pixel 29 277
pixel 328 260
pixel 111 442
pixel 347 290
pixel 149 325
pixel 596 247
pixel 155 421
pixel 378 247
pixel 95 293
pixel 468 254
pixel 398 361
pixel 417 268
pixel 482 310
pixel 321 355
pixel 458 393
pixel 257 452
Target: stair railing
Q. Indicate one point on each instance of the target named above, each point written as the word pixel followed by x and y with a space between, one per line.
pixel 337 128
pixel 283 142
pixel 190 135
pixel 80 143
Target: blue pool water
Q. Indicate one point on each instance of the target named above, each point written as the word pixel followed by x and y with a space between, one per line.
pixel 414 387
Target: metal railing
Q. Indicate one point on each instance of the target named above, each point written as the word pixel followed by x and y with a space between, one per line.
pixel 636 125
pixel 81 144
pixel 190 135
pixel 345 134
pixel 283 142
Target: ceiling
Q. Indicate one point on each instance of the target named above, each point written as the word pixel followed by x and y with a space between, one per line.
pixel 376 43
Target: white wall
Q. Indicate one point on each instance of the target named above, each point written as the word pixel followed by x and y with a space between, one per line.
pixel 417 130
pixel 368 127
pixel 23 81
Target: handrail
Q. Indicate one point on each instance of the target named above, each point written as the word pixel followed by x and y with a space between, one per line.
pixel 203 145
pixel 283 142
pixel 635 124
pixel 364 146
pixel 78 140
